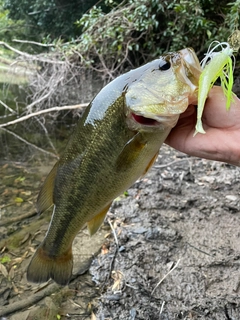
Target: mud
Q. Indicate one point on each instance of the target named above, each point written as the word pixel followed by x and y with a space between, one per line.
pixel 170 248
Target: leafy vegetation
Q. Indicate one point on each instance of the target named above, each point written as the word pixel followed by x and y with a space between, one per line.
pixel 64 44
pixel 9 28
pixel 114 35
pixel 51 19
pixel 140 30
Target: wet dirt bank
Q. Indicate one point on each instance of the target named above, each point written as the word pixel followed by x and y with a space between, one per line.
pixel 172 251
pixel 179 250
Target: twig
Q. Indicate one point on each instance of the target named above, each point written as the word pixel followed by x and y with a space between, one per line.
pixel 37 113
pixel 36 43
pixel 16 219
pixel 111 263
pixel 47 135
pixel 190 245
pixel 42 293
pixel 28 302
pixel 162 306
pixel 113 231
pixel 31 57
pixel 29 143
pixel 170 271
pixel 7 107
pixel 15 50
pixel 29 107
pixel 46 45
pixel 159 166
pixel 115 252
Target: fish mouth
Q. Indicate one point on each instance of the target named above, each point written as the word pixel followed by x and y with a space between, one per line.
pixel 157 121
pixel 144 121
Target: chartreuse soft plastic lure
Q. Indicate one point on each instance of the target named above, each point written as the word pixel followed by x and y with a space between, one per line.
pixel 217 64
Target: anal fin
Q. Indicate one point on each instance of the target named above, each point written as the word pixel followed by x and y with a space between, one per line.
pixel 95 223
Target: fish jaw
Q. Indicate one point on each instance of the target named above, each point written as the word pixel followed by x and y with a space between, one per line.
pixel 152 123
pixel 165 93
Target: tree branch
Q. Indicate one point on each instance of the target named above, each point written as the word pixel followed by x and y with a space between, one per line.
pixel 19 305
pixel 37 113
pixel 29 143
pixel 36 43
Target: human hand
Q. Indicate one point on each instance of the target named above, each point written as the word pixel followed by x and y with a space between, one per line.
pixel 221 141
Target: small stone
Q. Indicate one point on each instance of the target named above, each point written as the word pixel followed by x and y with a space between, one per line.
pixel 231 197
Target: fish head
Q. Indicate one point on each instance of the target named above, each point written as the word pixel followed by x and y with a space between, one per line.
pixel 162 90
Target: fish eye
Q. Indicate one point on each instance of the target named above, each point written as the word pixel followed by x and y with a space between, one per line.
pixel 164 65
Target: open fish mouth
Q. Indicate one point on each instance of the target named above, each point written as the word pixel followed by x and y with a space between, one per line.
pixel 157 121
pixel 144 121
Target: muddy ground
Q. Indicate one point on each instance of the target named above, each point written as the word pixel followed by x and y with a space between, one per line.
pixel 170 248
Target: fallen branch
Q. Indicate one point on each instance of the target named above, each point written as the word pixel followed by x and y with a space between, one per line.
pixel 28 302
pixel 50 289
pixel 18 218
pixel 37 113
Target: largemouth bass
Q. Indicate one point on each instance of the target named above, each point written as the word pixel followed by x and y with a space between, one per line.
pixel 115 142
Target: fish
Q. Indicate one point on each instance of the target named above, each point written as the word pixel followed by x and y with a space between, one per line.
pixel 114 143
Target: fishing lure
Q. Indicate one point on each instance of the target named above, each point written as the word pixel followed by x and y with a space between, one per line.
pixel 217 64
pixel 220 66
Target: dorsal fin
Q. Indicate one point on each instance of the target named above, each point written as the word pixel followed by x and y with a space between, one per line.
pixel 45 196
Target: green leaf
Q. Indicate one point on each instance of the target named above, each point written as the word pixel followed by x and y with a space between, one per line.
pixel 5 259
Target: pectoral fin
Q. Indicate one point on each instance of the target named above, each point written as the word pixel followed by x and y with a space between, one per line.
pixel 130 152
pixel 150 164
pixel 94 224
pixel 45 197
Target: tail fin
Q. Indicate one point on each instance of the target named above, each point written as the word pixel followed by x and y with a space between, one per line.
pixel 43 267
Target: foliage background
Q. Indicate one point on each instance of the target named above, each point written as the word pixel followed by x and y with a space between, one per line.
pixel 116 35
pixel 68 50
